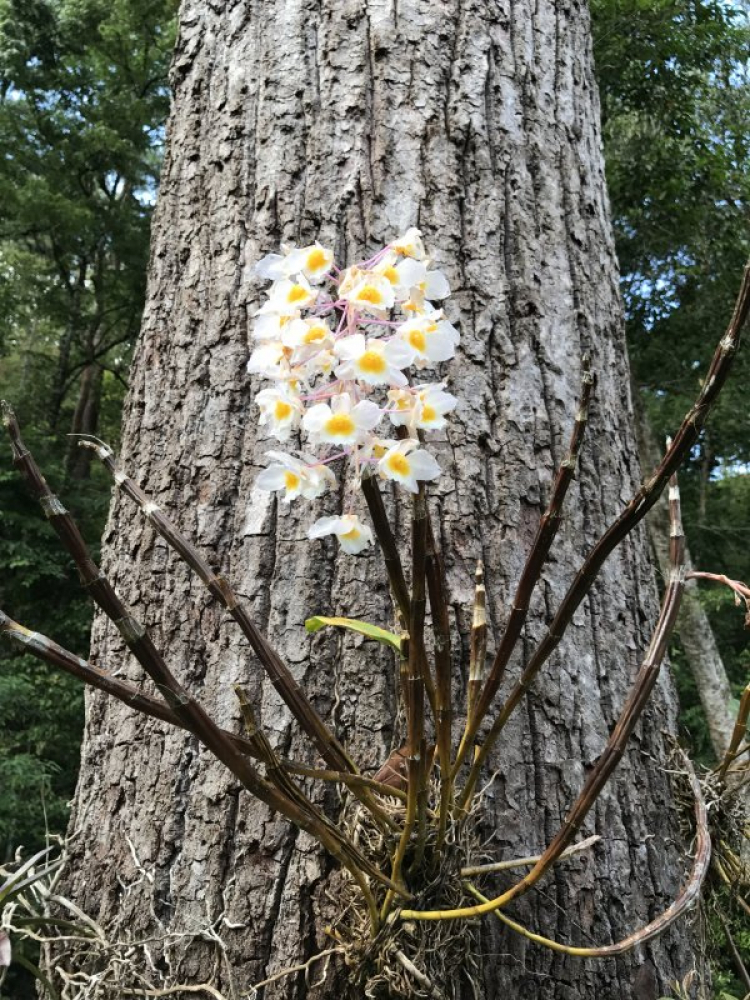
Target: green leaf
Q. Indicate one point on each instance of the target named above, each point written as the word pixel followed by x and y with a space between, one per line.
pixel 364 628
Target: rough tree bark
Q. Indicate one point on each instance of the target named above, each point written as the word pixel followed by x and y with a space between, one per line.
pixel 349 121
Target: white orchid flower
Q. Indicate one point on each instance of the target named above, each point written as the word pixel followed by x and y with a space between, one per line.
pixel 342 422
pixel 319 362
pixel 402 274
pixel 432 404
pixel 275 266
pixel 408 464
pixel 280 411
pixel 410 244
pixel 372 293
pixel 315 330
pixel 372 361
pixel 353 535
pixel 271 326
pixel 314 262
pixel 268 359
pixel 430 339
pixel 435 285
pixel 288 297
pixel 403 404
pixel 305 337
pixel 296 477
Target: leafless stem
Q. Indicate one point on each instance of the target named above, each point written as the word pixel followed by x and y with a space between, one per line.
pixel 385 537
pixel 417 757
pixel 738 733
pixel 177 698
pixel 741 593
pixel 478 645
pixel 545 536
pixel 183 707
pixel 411 799
pixel 436 590
pixel 263 751
pixel 48 651
pixel 741 590
pixel 612 754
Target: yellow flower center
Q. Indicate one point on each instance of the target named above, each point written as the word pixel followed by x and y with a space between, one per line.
pixel 403 404
pixel 409 307
pixel 282 410
pixel 428 412
pixel 417 340
pixel 314 335
pixel 378 450
pixel 398 463
pixel 372 362
pixel 391 274
pixel 291 481
pixel 370 294
pixel 316 259
pixel 352 535
pixel 296 293
pixel 340 425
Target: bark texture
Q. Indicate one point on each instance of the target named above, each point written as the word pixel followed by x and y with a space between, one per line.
pixel 349 121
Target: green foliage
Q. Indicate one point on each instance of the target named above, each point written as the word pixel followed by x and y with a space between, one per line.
pixel 41 712
pixel 354 625
pixel 83 99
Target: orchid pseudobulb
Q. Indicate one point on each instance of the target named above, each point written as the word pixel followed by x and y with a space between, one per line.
pixel 337 347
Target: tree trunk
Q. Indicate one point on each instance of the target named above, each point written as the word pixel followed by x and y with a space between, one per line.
pixel 85 420
pixel 350 121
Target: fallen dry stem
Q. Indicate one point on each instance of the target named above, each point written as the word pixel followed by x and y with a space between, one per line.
pixel 502 866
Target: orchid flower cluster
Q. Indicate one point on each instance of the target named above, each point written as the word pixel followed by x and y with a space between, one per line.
pixel 337 345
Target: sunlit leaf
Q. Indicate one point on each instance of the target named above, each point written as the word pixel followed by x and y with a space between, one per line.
pixel 364 628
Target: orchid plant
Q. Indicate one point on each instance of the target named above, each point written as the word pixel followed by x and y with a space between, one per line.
pixel 341 349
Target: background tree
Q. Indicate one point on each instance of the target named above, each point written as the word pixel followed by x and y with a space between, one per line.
pixel 481 127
